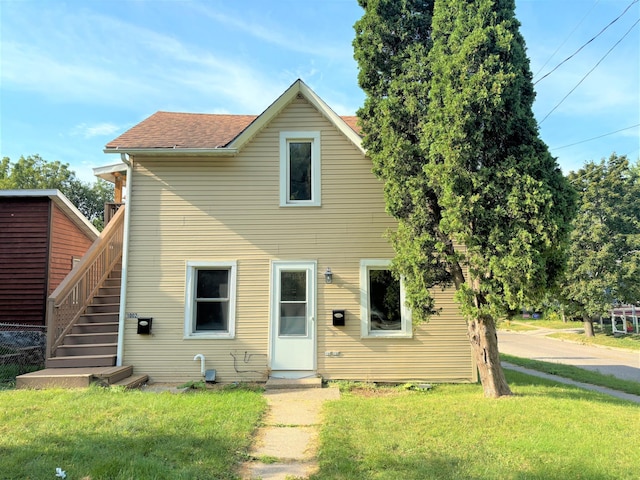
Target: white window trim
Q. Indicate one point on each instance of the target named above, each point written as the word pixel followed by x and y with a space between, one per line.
pixel 316 184
pixel 406 330
pixel 189 305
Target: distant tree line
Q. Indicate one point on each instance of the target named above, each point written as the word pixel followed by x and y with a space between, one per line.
pixel 34 172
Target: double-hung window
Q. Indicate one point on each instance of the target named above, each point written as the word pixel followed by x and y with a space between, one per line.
pixel 300 169
pixel 382 303
pixel 210 299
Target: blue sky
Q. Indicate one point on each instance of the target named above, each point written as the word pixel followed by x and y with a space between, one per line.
pixel 75 74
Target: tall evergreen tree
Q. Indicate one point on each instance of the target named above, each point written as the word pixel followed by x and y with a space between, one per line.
pixel 448 123
pixel 603 264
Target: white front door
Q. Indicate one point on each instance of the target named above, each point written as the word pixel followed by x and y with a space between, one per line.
pixel 293 312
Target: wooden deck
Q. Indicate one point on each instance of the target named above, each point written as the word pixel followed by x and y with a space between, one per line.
pixel 81 377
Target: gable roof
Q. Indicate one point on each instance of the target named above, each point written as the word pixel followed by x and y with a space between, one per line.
pixel 57 197
pixel 171 133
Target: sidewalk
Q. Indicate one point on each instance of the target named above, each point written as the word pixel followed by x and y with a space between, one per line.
pixel 285 446
pixel 614 393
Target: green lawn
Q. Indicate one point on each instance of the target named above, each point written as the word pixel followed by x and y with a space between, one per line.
pixel 629 341
pixel 546 431
pixel 112 434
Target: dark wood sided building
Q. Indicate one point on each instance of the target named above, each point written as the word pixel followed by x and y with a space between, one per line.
pixel 41 235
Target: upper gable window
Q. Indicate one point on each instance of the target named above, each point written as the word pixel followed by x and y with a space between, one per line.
pixel 300 169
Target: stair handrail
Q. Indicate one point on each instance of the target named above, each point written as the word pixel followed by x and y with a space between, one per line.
pixel 75 293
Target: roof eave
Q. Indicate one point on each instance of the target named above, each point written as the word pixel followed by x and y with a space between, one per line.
pixel 175 152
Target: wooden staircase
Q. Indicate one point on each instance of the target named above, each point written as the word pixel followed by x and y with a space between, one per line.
pixel 93 341
pixel 82 321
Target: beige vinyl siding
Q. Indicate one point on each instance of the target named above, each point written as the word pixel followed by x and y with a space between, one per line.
pixel 227 209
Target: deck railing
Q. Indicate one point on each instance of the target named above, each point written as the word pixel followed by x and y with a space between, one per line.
pixel 110 210
pixel 75 293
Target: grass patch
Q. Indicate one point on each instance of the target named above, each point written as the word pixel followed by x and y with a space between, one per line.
pixel 515 326
pixel 546 431
pixel 113 434
pixel 533 324
pixel 575 373
pixel 630 341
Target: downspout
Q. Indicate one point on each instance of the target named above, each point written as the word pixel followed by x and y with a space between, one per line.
pixel 125 262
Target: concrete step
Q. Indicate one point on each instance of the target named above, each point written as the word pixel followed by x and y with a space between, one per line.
pixel 274 383
pixel 96 327
pixel 91 338
pixel 82 361
pixel 83 350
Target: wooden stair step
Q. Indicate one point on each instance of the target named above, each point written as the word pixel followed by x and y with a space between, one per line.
pixel 99 317
pixel 81 361
pixel 83 349
pixel 91 338
pixel 133 381
pixel 106 299
pixel 102 308
pixel 95 327
pixel 114 374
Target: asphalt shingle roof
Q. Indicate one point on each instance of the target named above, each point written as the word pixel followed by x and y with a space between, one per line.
pixel 190 130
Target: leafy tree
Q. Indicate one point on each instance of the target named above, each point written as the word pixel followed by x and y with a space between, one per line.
pixel 603 264
pixel 480 202
pixel 33 172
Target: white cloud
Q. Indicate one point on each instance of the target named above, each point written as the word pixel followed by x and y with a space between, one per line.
pixel 99 130
pixel 282 36
pixel 121 64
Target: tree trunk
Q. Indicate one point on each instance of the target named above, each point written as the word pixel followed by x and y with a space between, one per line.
pixel 484 342
pixel 588 326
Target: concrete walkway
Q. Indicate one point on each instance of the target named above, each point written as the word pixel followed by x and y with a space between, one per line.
pixel 286 445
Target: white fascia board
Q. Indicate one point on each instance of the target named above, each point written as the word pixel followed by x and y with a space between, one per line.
pixel 107 172
pixel 175 152
pixel 298 87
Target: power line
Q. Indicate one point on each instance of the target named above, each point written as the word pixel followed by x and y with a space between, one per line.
pixel 566 39
pixel 585 44
pixel 589 72
pixel 595 138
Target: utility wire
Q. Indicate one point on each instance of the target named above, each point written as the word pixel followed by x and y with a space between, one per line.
pixel 565 40
pixel 587 43
pixel 595 138
pixel 589 72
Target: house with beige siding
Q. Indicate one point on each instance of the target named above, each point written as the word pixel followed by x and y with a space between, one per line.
pixel 257 243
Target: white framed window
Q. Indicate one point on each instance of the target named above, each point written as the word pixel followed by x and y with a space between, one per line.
pixel 383 311
pixel 300 169
pixel 210 299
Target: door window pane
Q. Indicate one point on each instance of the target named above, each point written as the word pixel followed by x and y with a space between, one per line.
pixel 293 319
pixel 293 286
pixel 293 303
